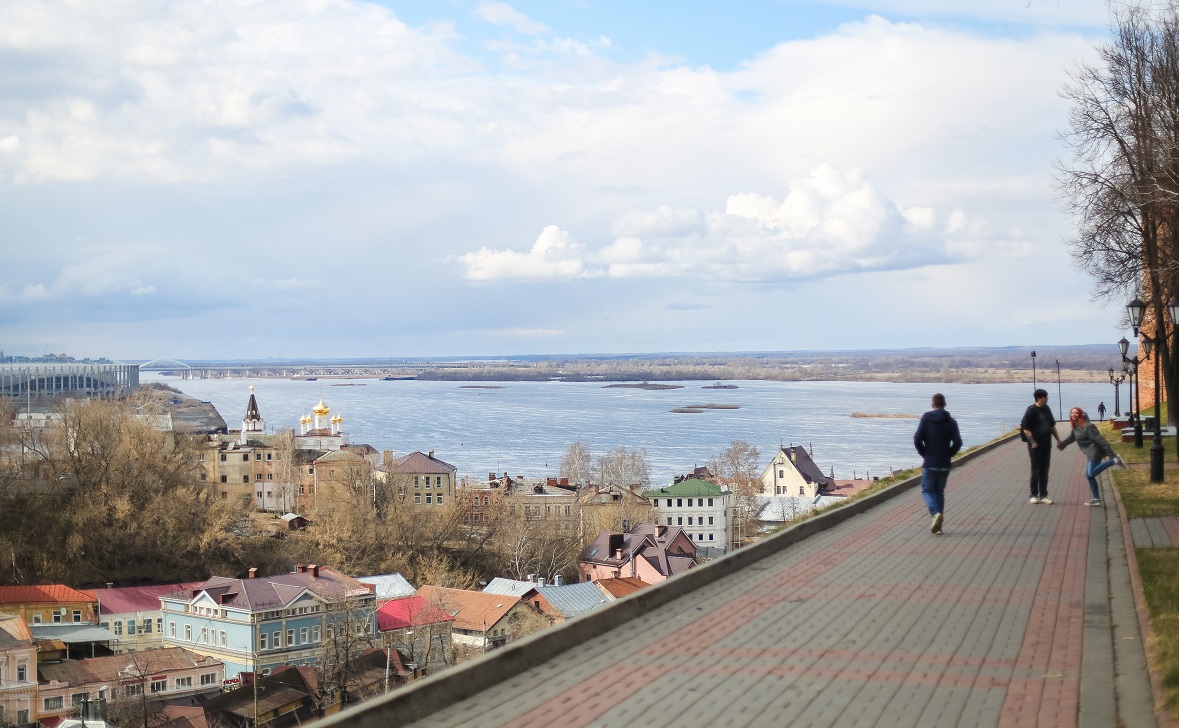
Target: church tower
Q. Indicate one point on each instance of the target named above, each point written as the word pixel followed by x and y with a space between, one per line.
pixel 253 424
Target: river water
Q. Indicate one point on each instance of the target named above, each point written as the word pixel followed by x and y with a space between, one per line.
pixel 525 427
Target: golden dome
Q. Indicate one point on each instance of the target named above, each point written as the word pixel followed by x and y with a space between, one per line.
pixel 305 420
pixel 321 408
pixel 337 419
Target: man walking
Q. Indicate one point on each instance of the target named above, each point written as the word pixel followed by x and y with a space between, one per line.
pixel 937 440
pixel 1039 428
pixel 1101 411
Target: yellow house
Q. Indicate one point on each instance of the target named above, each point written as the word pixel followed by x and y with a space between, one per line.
pixel 49 604
pixel 793 472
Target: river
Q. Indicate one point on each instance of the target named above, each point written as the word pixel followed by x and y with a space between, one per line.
pixel 525 427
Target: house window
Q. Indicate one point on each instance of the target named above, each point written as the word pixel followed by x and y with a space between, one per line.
pixel 710 536
pixel 37 618
pixel 415 481
pixel 222 457
pixel 183 682
pixel 258 476
pixel 204 476
pixel 201 457
pixel 709 501
pixel 118 628
pixel 700 537
pixel 417 498
pixel 802 490
pixel 245 478
pixel 270 476
pixel 689 520
pixel 679 502
pixel 133 690
pixel 222 635
pixel 147 626
pixel 171 629
pixel 54 703
pixel 428 498
pixel 290 637
pixel 188 632
pixel 78 698
pixel 209 678
pixel 781 473
pixel 21 672
pixel 303 635
pixel 679 521
pixel 224 479
pixel 301 490
pixel 439 499
pixel 204 635
pixel 22 716
pixel 710 520
pixel 262 640
pixel 57 617
pixel 277 640
pixel 268 457
pixel 315 634
pixel 130 627
pixel 311 471
pixel 669 520
pixel 159 686
pixel 257 456
pixel 245 457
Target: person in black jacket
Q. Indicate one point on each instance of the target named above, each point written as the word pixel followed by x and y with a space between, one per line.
pixel 1038 427
pixel 937 440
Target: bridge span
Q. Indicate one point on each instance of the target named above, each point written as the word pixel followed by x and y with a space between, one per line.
pixel 1018 615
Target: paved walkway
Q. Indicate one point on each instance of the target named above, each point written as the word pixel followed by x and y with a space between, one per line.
pixel 1019 615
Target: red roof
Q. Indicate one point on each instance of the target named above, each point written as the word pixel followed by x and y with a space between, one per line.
pixel 43 594
pixel 126 599
pixel 409 612
pixel 621 586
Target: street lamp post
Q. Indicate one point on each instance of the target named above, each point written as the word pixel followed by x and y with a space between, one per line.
pixel 1135 396
pixel 1033 370
pixel 1117 382
pixel 1156 444
pixel 1136 309
pixel 1173 309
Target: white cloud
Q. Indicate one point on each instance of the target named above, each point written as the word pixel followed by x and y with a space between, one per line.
pixel 503 14
pixel 552 256
pixel 830 223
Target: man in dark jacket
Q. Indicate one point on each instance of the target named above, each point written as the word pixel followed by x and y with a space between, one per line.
pixel 1038 427
pixel 937 440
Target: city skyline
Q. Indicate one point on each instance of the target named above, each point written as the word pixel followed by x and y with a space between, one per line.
pixel 351 179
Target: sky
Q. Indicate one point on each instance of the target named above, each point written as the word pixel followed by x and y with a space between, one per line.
pixel 337 178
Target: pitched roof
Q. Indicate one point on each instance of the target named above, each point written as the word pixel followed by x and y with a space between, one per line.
pixel 110 669
pixel 125 599
pixel 472 610
pixel 806 467
pixel 14 632
pixel 621 586
pixel 181 716
pixel 569 600
pixel 389 586
pixel 410 612
pixel 418 463
pixel 252 409
pixel 43 594
pixel 267 592
pixel 691 487
pixel 648 541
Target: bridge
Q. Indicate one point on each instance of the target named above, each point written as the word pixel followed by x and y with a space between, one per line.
pixel 1019 614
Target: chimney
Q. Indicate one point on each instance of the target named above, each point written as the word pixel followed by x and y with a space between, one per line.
pixel 110 585
pixel 300 568
pixel 314 569
pixel 431 454
pixel 558 580
pixel 253 572
pixel 540 581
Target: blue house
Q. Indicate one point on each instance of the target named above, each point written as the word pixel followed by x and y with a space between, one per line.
pixel 259 623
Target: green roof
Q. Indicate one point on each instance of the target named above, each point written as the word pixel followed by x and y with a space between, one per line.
pixel 686 488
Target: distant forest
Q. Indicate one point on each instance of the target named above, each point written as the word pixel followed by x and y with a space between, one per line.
pixel 1009 364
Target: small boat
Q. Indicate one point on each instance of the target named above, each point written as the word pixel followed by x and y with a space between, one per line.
pixel 718 385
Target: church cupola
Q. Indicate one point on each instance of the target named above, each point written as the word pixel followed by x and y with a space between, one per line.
pixel 253 424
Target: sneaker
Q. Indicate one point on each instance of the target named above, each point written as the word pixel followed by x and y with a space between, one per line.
pixel 1034 500
pixel 1093 502
pixel 936 528
pixel 1046 501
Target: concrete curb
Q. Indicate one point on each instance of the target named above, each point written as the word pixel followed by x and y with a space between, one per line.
pixel 425 697
pixel 1162 715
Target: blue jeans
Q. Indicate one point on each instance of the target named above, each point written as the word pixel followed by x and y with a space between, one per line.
pixel 1092 470
pixel 933 489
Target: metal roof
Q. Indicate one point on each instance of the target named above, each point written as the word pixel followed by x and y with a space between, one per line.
pixel 389 586
pixel 72 633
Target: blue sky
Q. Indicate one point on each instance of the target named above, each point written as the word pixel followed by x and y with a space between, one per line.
pixel 463 177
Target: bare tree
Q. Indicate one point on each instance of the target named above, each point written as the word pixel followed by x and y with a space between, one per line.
pixel 624 467
pixel 737 465
pixel 576 464
pixel 1122 183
